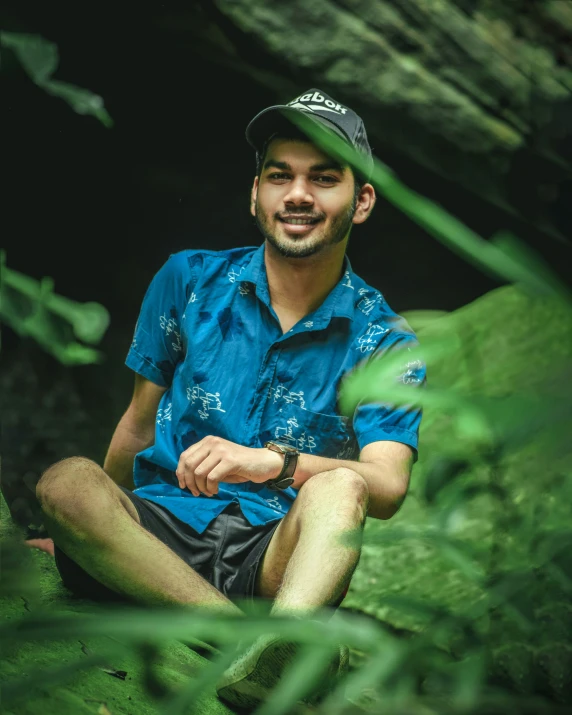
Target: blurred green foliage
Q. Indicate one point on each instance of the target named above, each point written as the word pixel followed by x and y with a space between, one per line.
pixel 32 309
pixel 39 59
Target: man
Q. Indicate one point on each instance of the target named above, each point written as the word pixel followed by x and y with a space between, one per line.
pixel 244 474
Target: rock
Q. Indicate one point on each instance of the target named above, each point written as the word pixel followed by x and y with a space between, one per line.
pixel 479 92
pixel 512 521
pixel 31 585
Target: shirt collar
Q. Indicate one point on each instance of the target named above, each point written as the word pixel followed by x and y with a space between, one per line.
pixel 339 303
pixel 255 272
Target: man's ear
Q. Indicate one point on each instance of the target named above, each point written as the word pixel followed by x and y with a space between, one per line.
pixel 253 195
pixel 365 203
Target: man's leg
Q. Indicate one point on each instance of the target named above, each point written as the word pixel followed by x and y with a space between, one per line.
pixel 96 525
pixel 306 565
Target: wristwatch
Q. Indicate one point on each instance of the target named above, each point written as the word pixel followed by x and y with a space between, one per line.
pixel 285 478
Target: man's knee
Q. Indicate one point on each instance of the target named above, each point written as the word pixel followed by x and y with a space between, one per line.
pixel 339 485
pixel 67 483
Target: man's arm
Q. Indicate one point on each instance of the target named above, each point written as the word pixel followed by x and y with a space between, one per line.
pixel 385 466
pixel 134 432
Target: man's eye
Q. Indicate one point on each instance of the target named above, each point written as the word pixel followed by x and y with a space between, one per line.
pixel 278 175
pixel 325 179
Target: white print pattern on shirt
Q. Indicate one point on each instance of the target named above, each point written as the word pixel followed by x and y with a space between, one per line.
pixel 346 452
pixel 410 376
pixel 347 281
pixel 177 345
pixel 274 503
pixel 168 325
pixel 207 400
pixel 292 436
pixel 309 324
pixel 192 299
pixel 243 289
pixel 233 275
pixel 368 302
pixel 283 393
pixel 367 342
pixel 164 415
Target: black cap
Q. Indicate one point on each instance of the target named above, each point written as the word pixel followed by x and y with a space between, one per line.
pixel 321 108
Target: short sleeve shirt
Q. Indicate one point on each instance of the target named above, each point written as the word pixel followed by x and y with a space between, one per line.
pixel 208 333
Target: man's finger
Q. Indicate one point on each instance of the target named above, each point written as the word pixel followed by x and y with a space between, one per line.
pixel 189 455
pixel 218 474
pixel 202 472
pixel 187 464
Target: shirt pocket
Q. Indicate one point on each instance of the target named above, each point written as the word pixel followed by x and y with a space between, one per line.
pixel 314 432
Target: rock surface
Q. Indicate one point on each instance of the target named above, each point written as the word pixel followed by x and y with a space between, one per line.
pixel 477 91
pixel 114 687
pixel 516 350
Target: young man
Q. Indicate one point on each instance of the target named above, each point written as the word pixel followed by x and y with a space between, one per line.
pixel 243 472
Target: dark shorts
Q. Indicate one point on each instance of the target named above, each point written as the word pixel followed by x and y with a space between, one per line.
pixel 227 554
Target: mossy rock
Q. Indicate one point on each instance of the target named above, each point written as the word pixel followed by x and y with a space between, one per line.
pixel 120 684
pixel 506 346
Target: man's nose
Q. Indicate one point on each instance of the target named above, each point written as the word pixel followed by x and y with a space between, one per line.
pixel 299 193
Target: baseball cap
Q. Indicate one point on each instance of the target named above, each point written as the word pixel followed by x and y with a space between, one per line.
pixel 320 108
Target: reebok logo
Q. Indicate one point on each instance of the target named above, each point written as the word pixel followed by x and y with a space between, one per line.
pixel 319 102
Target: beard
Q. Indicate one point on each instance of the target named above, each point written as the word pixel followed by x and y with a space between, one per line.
pixel 306 246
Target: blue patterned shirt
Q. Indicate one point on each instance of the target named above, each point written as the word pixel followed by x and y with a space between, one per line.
pixel 208 333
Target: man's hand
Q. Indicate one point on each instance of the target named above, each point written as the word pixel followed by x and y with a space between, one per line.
pixel 214 460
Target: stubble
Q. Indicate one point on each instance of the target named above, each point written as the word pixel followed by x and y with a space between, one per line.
pixel 310 246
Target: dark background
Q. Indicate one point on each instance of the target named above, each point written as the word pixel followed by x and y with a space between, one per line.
pixel 100 210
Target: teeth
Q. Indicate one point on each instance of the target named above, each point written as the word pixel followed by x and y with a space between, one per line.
pixel 298 221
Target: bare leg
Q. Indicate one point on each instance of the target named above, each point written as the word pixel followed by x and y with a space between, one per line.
pixel 96 525
pixel 306 566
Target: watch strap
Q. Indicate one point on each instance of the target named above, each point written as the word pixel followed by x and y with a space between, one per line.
pixel 286 476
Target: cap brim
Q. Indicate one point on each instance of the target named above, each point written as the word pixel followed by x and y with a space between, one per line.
pixel 272 119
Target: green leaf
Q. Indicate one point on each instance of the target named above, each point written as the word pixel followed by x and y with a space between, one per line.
pixel 419 319
pixel 144 625
pixel 80 100
pixel 534 271
pixel 508 260
pixel 183 701
pixel 469 675
pixel 32 309
pixel 89 320
pixel 38 56
pixel 382 664
pixel 298 679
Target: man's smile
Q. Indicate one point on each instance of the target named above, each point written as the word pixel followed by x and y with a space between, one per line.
pixel 299 224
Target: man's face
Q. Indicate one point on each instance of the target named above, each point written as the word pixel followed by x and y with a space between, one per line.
pixel 303 200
